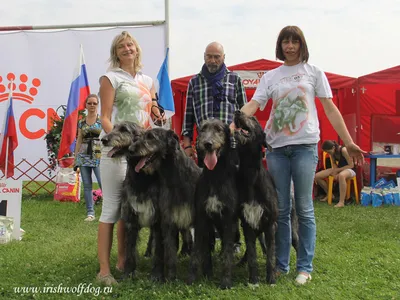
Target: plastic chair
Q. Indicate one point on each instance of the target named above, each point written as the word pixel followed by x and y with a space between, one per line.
pixel 348 183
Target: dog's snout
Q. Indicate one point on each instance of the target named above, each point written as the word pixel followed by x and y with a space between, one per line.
pixel 208 145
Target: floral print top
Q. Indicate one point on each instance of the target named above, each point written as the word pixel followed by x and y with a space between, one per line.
pixel 132 97
pixel 89 152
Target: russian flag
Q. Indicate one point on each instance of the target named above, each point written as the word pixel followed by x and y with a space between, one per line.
pixel 76 101
pixel 166 99
pixel 9 142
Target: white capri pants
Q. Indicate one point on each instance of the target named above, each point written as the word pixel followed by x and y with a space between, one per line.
pixel 112 174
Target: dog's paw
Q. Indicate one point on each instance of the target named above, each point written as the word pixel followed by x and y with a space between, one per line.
pixel 253 286
pixel 253 281
pixel 184 253
pixel 191 279
pixel 171 277
pixel 271 279
pixel 208 274
pixel 225 284
pixel 148 254
pixel 128 275
pixel 157 277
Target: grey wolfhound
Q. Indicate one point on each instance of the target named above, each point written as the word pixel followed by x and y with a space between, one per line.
pixel 139 194
pixel 160 154
pixel 216 201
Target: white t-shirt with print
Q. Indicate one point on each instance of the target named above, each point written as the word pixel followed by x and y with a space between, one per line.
pixel 132 97
pixel 293 119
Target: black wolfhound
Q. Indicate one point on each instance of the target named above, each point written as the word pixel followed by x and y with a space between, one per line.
pixel 257 194
pixel 216 201
pixel 160 153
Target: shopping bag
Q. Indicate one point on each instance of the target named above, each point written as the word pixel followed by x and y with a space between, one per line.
pixel 366 197
pixel 6 229
pixel 68 186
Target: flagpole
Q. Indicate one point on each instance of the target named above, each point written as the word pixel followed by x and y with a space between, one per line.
pixel 7 139
pixel 6 163
pixel 166 8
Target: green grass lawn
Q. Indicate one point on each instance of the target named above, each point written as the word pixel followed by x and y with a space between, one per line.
pixel 357 257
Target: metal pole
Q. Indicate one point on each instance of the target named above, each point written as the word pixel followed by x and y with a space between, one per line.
pixel 358 116
pixel 5 122
pixel 167 27
pixel 6 162
pixel 73 26
pixel 166 9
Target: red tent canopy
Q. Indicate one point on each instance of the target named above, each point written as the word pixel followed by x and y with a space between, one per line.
pixel 379 110
pixel 342 87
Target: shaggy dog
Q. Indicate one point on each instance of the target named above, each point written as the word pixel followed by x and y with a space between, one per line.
pixel 257 194
pixel 139 194
pixel 216 201
pixel 161 155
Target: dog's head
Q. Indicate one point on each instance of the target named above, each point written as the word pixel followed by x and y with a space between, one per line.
pixel 152 147
pixel 248 130
pixel 212 141
pixel 121 138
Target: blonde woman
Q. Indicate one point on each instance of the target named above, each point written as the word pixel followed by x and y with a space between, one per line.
pixel 126 94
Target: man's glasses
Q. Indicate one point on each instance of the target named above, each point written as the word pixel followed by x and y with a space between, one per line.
pixel 91 103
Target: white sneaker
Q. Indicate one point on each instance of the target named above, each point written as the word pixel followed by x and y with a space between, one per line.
pixel 302 278
pixel 90 219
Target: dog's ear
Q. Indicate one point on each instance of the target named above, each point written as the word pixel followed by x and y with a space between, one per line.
pixel 173 140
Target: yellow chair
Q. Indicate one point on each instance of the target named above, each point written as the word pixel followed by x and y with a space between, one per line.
pixel 348 183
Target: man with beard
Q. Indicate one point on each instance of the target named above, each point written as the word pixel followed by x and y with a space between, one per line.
pixel 214 93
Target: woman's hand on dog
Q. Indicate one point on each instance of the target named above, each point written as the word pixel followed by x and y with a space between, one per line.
pixel 189 151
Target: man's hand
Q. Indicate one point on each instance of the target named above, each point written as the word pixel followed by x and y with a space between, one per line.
pixel 356 153
pixel 232 127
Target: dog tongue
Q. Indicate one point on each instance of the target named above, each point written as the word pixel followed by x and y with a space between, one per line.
pixel 210 160
pixel 140 164
pixel 111 152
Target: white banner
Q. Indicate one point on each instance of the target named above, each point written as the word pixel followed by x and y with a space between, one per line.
pixel 43 63
pixel 10 203
pixel 250 79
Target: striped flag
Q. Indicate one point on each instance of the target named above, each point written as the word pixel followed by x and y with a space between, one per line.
pixel 9 141
pixel 76 101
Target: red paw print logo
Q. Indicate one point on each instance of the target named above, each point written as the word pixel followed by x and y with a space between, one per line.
pixel 22 88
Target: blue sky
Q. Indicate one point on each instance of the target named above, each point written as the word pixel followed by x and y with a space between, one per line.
pixel 348 37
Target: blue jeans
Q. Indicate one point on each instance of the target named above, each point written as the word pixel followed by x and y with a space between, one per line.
pixel 86 173
pixel 297 162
